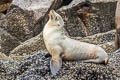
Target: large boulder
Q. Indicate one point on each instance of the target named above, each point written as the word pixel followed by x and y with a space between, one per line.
pixel 7 42
pixel 8 70
pixel 4 5
pixel 28 47
pixel 25 18
pixel 99 38
pixel 88 18
pixel 108 46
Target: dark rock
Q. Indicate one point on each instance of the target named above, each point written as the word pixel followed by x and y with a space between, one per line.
pixel 3 57
pixel 29 47
pixel 109 47
pixel 8 70
pixel 26 18
pixel 37 67
pixel 99 38
pixel 19 23
pixel 43 20
pixel 7 42
pixel 4 5
pixel 105 40
pixel 84 19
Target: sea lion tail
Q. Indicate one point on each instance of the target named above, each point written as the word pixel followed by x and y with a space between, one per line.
pixel 55 65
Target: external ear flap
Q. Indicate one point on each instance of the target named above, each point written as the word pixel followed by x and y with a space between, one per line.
pixel 57 18
pixel 55 65
pixel 51 17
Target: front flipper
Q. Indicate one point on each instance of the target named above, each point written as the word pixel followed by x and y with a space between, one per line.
pixel 55 65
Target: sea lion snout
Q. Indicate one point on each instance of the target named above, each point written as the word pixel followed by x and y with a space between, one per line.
pixel 51 14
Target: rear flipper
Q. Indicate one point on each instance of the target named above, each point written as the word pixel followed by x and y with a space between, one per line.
pixel 55 65
pixel 105 61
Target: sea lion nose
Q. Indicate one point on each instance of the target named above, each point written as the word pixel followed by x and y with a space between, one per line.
pixel 51 14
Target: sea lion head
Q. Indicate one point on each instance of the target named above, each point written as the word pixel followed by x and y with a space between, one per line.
pixel 55 18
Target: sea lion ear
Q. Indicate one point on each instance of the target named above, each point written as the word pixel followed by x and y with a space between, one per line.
pixel 56 18
pixel 50 16
pixel 55 66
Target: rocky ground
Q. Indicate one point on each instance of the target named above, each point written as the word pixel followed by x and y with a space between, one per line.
pixel 23 55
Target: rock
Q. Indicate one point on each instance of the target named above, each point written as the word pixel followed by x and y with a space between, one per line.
pixel 109 47
pixel 25 21
pixel 7 42
pixel 19 23
pixel 1 16
pixel 3 57
pixel 21 18
pixel 94 1
pixel 99 38
pixel 2 20
pixel 8 70
pixel 85 19
pixel 4 5
pixel 37 67
pixel 24 16
pixel 105 40
pixel 39 7
pixel 29 47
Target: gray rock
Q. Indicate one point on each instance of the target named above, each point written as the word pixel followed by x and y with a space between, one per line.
pixel 22 16
pixel 29 47
pixel 85 19
pixel 7 42
pixel 39 7
pixel 99 38
pixel 109 47
pixel 19 23
pixel 8 70
pixel 4 5
pixel 37 67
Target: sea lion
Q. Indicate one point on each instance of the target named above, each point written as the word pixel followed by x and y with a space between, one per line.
pixel 62 47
